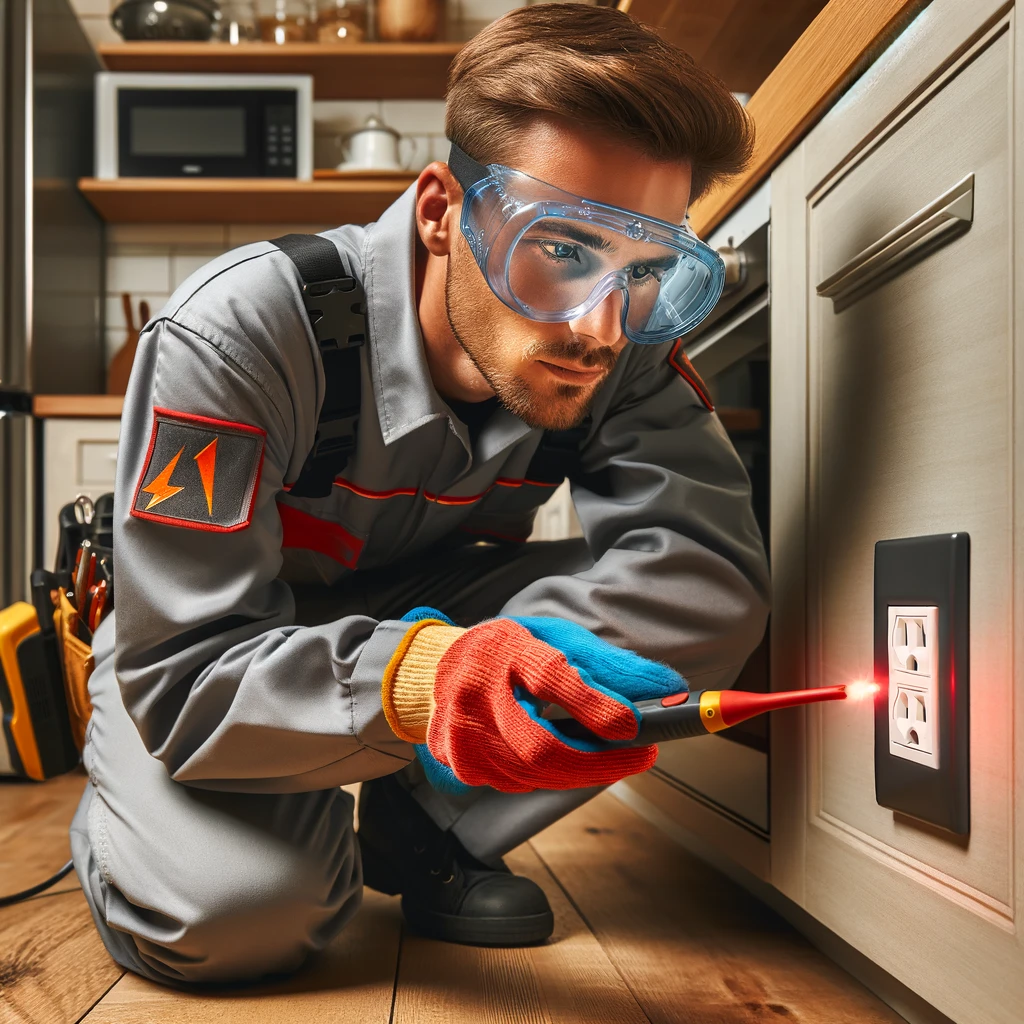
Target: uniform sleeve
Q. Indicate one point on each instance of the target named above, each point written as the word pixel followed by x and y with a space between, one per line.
pixel 680 573
pixel 224 689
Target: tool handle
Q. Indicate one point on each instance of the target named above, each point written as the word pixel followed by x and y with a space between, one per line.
pixel 658 722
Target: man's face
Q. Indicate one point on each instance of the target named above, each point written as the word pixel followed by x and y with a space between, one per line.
pixel 548 373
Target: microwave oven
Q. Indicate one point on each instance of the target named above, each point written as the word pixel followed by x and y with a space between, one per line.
pixel 204 126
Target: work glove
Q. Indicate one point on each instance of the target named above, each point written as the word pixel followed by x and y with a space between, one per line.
pixel 470 700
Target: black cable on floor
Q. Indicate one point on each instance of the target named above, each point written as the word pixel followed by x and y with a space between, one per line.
pixel 6 901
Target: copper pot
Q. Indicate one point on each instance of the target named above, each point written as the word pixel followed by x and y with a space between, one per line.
pixel 410 21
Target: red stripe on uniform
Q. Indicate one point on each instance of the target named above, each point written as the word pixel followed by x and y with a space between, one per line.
pixel 363 492
pixel 301 530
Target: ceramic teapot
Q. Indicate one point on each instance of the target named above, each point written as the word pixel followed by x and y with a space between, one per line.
pixel 375 147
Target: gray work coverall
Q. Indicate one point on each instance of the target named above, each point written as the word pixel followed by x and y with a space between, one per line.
pixel 212 841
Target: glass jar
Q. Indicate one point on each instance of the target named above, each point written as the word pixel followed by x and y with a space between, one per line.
pixel 419 21
pixel 237 22
pixel 341 21
pixel 287 21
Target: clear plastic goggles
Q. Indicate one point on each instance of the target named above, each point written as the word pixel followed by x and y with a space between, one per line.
pixel 552 256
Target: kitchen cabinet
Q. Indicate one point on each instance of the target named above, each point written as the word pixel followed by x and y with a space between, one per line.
pixel 898 411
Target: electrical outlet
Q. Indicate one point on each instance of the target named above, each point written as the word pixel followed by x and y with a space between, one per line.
pixel 913 683
pixel 922 644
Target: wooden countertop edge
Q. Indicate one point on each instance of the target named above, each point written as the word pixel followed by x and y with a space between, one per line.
pixel 834 49
pixel 78 406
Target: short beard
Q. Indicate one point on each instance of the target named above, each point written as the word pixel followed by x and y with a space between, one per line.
pixel 515 394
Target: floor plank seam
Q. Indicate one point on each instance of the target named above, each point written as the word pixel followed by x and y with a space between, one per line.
pixel 100 997
pixel 590 928
pixel 398 971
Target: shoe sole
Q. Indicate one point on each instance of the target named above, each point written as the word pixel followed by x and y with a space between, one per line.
pixel 507 932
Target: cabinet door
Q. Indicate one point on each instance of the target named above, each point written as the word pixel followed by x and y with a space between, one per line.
pixel 906 416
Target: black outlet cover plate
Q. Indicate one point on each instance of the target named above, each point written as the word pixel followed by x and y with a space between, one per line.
pixel 927 571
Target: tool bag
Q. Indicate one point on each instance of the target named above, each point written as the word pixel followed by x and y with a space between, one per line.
pixel 46 647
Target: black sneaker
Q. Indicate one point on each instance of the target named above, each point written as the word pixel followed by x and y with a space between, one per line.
pixel 446 892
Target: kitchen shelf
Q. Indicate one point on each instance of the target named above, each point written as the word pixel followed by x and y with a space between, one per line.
pixel 740 421
pixel 365 71
pixel 78 406
pixel 357 200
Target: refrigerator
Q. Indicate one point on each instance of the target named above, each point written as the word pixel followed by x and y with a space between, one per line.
pixel 51 251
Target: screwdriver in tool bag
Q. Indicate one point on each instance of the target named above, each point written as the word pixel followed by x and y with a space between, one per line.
pixel 697 713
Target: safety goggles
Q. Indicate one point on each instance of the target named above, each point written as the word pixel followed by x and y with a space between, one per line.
pixel 552 256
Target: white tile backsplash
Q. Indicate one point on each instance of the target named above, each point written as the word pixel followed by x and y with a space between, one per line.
pixel 163 235
pixel 416 117
pixel 129 272
pixel 115 321
pixel 99 30
pixel 183 265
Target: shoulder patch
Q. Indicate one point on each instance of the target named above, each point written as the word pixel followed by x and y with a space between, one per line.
pixel 680 362
pixel 200 473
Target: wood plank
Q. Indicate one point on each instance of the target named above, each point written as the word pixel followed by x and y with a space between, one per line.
pixel 352 980
pixel 836 47
pixel 367 71
pixel 569 980
pixel 242 200
pixel 740 41
pixel 53 966
pixel 693 946
pixel 78 406
pixel 34 820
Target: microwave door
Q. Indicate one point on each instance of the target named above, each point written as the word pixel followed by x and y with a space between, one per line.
pixel 221 133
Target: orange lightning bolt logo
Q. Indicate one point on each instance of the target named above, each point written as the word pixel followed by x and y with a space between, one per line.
pixel 206 460
pixel 161 488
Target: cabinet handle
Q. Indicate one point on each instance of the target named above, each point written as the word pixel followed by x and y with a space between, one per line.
pixel 939 222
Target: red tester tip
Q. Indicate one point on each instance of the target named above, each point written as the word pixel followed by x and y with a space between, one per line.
pixel 737 706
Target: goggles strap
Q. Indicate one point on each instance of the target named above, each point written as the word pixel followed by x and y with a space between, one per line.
pixel 466 170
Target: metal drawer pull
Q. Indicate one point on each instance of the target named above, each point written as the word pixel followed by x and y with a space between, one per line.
pixel 938 223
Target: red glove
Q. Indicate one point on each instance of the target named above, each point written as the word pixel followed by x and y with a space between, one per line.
pixel 478 728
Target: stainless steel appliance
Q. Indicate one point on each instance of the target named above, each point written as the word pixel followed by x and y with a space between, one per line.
pixel 51 246
pixel 203 126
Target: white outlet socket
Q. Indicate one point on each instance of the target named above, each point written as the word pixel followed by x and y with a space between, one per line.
pixel 913 683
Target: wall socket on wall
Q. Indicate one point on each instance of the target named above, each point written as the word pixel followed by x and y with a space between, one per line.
pixel 914 725
pixel 922 648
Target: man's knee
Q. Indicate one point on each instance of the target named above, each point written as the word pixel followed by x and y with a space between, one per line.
pixel 232 903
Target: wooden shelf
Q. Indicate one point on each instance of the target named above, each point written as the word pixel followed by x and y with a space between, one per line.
pixel 78 406
pixel 243 200
pixel 366 71
pixel 740 421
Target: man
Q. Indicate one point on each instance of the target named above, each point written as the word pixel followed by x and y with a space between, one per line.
pixel 270 646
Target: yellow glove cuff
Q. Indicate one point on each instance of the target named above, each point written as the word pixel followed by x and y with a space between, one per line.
pixel 407 689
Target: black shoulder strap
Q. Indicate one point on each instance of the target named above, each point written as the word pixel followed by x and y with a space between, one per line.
pixel 336 305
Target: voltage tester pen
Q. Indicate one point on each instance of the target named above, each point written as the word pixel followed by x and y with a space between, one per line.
pixel 697 713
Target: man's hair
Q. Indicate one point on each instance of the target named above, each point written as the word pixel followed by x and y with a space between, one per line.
pixel 598 68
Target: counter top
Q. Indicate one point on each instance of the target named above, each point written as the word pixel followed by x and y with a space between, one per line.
pixel 78 406
pixel 834 50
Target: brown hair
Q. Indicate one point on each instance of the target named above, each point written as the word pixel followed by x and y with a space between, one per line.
pixel 600 68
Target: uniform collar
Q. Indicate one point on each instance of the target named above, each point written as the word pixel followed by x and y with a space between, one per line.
pixel 403 390
pixel 404 393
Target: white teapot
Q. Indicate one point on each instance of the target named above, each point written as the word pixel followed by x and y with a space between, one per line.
pixel 375 147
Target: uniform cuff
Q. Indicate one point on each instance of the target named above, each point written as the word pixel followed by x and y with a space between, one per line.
pixel 407 688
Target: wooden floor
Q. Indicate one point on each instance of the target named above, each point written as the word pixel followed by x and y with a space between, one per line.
pixel 644 933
